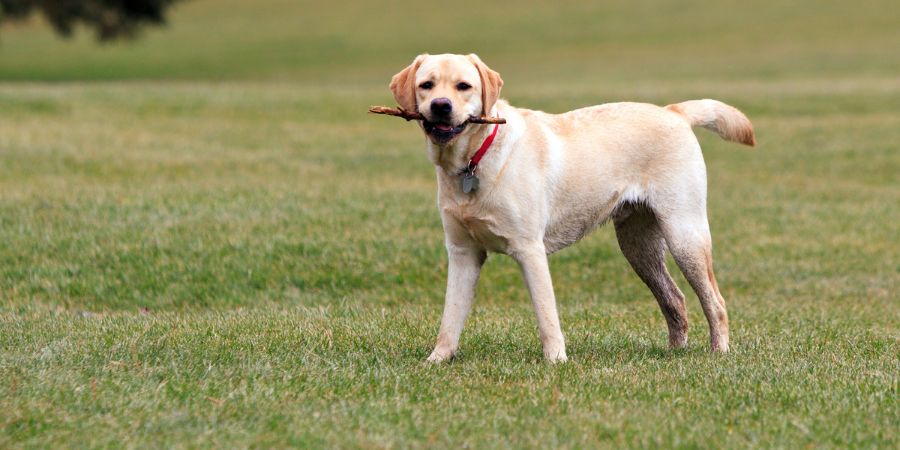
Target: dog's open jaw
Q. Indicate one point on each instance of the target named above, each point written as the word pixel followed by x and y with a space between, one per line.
pixel 442 132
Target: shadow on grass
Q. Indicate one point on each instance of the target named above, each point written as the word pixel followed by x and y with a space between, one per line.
pixel 606 350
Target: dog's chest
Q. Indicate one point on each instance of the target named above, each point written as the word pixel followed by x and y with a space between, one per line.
pixel 483 227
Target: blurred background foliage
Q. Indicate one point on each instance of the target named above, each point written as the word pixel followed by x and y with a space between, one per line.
pixel 109 19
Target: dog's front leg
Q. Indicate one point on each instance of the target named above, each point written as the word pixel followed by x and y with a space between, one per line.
pixel 462 276
pixel 532 259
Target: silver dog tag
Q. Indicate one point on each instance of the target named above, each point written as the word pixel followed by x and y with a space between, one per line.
pixel 469 183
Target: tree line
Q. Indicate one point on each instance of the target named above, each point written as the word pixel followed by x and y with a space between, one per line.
pixel 109 19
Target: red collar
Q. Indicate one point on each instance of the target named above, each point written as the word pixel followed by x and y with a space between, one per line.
pixel 473 163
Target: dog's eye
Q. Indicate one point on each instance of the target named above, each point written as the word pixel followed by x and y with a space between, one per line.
pixel 426 85
pixel 463 86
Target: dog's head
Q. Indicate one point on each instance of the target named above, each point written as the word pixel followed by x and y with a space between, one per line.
pixel 446 90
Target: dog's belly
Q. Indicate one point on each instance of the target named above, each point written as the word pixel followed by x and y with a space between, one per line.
pixel 573 221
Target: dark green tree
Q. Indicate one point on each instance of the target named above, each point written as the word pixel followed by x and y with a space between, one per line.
pixel 110 19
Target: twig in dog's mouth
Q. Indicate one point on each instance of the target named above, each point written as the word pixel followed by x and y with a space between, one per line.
pixel 412 115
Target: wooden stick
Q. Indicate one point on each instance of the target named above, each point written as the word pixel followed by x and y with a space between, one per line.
pixel 412 115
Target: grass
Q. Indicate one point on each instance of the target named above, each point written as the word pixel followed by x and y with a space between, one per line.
pixel 206 243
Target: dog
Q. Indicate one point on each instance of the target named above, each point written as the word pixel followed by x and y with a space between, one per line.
pixel 540 182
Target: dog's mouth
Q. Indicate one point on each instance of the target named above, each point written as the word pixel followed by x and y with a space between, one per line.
pixel 443 132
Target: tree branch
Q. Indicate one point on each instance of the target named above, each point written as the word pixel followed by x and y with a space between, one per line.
pixel 412 115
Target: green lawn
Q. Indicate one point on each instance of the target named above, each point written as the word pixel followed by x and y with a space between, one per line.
pixel 206 242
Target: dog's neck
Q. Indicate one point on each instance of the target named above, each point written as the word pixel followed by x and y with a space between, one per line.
pixel 451 159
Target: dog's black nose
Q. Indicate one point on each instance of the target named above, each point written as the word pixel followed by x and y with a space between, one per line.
pixel 441 106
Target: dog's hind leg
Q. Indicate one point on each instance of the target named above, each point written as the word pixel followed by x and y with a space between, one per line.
pixel 642 242
pixel 690 242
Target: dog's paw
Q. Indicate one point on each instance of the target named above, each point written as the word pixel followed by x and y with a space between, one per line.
pixel 719 347
pixel 678 340
pixel 557 357
pixel 438 356
pixel 719 344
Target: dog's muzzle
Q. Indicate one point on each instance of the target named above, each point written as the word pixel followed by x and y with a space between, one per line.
pixel 443 132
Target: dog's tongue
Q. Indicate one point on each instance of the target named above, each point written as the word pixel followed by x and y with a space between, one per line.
pixel 443 126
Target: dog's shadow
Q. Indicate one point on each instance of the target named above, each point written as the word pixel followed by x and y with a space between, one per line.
pixel 625 349
pixel 605 350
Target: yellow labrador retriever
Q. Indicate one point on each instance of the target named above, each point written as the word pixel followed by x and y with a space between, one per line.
pixel 542 181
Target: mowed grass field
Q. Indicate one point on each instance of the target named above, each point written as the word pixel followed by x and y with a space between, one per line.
pixel 206 242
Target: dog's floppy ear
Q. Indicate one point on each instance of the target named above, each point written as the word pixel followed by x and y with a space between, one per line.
pixel 403 85
pixel 491 83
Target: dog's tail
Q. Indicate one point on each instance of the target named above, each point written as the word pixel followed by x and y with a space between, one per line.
pixel 729 123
